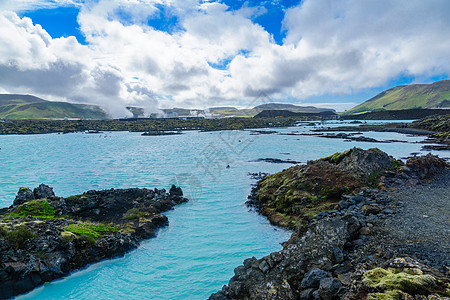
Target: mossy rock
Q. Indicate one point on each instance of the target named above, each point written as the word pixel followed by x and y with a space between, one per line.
pixel 78 199
pixel 67 236
pixel 393 280
pixel 94 231
pixel 135 213
pixel 39 209
pixel 337 157
pixel 19 236
pixel 388 295
pixel 2 231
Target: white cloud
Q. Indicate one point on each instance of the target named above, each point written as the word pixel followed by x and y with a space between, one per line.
pixel 331 47
pixel 28 5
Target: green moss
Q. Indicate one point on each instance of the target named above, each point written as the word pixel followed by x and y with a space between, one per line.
pixel 337 157
pixel 19 236
pixel 376 150
pixel 76 199
pixel 391 279
pixel 67 236
pixel 79 230
pixel 389 295
pixel 372 179
pixel 396 163
pixel 38 209
pixel 134 213
pixel 72 198
pixel 90 230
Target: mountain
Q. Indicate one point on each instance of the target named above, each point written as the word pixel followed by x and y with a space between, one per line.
pixel 434 95
pixel 291 107
pixel 30 107
pixel 223 108
pixel 276 113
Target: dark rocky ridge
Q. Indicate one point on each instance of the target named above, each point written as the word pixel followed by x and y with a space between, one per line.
pixel 440 125
pixel 44 237
pixel 347 251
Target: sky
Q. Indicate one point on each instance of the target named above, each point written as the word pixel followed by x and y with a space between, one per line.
pixel 199 54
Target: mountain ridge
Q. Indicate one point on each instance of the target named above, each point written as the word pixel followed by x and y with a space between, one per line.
pixel 19 107
pixel 412 96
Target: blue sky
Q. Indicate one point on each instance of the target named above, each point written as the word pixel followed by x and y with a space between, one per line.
pixel 190 53
pixel 58 22
pixel 62 21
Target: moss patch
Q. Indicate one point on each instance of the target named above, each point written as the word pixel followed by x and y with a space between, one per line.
pixel 78 199
pixel 337 157
pixel 389 295
pixel 67 236
pixel 2 232
pixel 393 280
pixel 90 230
pixel 135 213
pixel 19 236
pixel 38 209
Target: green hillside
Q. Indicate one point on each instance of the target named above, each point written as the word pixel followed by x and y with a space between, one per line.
pixel 29 107
pixel 435 95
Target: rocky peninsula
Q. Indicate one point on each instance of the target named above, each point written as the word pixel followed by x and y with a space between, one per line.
pixel 366 226
pixel 44 237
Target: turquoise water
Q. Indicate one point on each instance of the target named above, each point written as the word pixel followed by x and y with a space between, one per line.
pixel 207 237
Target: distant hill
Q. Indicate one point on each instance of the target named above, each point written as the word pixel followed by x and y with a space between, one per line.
pixel 222 108
pixel 291 107
pixel 7 99
pixel 30 107
pixel 435 95
pixel 275 113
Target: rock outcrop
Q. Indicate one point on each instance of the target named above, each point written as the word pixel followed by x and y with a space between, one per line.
pixel 296 195
pixel 44 237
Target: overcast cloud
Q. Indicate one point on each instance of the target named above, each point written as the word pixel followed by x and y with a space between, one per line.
pixel 331 48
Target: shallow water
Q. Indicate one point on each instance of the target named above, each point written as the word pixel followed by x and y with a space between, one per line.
pixel 207 237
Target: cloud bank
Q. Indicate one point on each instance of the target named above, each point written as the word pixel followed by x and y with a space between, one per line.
pixel 213 55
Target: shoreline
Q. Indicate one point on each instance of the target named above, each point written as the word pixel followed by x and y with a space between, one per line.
pixel 336 254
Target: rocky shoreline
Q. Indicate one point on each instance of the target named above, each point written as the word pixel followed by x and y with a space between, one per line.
pixel 355 247
pixel 44 237
pixel 151 126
